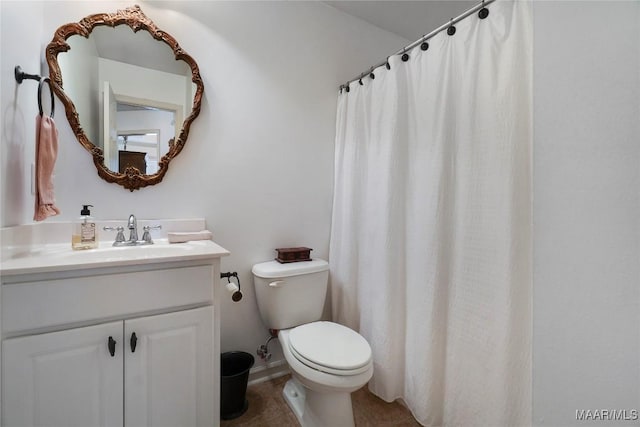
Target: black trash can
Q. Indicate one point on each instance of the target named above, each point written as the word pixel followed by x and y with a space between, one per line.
pixel 234 369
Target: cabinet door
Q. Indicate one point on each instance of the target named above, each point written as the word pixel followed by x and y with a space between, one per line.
pixel 169 370
pixel 66 378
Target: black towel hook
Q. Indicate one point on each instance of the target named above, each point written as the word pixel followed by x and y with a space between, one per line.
pixel 53 104
pixel 21 75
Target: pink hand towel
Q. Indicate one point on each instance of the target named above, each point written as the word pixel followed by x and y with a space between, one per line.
pixel 46 154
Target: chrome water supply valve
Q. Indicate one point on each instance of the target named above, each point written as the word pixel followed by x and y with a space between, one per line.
pixel 263 350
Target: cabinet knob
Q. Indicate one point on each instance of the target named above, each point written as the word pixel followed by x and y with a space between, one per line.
pixel 111 344
pixel 133 341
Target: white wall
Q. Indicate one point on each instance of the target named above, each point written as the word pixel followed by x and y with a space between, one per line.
pixel 18 108
pixel 586 308
pixel 259 161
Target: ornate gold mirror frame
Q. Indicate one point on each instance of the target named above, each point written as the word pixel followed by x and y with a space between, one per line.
pixel 132 178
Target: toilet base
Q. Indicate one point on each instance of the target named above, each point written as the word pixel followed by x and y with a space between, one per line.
pixel 294 395
pixel 315 409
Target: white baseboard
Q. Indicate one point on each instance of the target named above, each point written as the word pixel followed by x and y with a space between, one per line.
pixel 268 372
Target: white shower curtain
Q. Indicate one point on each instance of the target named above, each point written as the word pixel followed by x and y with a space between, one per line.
pixel 430 248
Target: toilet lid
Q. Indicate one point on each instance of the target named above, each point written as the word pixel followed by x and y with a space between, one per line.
pixel 330 347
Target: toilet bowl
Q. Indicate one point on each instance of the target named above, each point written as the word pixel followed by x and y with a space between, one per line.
pixel 319 393
pixel 328 361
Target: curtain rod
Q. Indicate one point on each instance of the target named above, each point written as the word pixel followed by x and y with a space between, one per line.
pixel 424 38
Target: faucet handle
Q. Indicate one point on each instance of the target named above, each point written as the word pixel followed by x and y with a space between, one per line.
pixel 119 236
pixel 146 236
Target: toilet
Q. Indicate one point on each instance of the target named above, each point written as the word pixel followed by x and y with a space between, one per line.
pixel 328 361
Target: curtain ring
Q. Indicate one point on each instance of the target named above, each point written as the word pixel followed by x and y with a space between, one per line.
pixel 484 12
pixel 53 105
pixel 405 55
pixel 387 64
pixel 360 80
pixel 371 75
pixel 424 45
pixel 452 29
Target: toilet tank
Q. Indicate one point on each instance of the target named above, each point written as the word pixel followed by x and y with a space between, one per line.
pixel 290 294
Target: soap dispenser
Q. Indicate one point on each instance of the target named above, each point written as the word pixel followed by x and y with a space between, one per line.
pixel 85 232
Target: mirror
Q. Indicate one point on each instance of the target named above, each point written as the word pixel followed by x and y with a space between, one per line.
pixel 130 93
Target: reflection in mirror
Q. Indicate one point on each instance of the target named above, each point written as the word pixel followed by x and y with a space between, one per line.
pixel 130 92
pixel 141 128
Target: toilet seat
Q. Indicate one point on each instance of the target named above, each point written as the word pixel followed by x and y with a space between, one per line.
pixel 331 348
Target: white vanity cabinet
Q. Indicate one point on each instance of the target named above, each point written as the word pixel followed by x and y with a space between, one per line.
pixel 81 376
pixel 129 344
pixel 65 378
pixel 165 378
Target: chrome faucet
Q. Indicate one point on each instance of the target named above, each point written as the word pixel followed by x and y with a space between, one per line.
pixel 132 225
pixel 133 228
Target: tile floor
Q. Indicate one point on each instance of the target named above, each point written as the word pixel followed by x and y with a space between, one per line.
pixel 267 408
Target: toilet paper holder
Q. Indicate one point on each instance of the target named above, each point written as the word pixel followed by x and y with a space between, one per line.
pixel 236 292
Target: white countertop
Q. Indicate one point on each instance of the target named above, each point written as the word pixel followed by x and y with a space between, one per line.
pixel 36 255
pixel 60 257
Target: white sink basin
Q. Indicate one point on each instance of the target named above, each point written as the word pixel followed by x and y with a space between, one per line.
pixel 58 257
pixel 105 250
